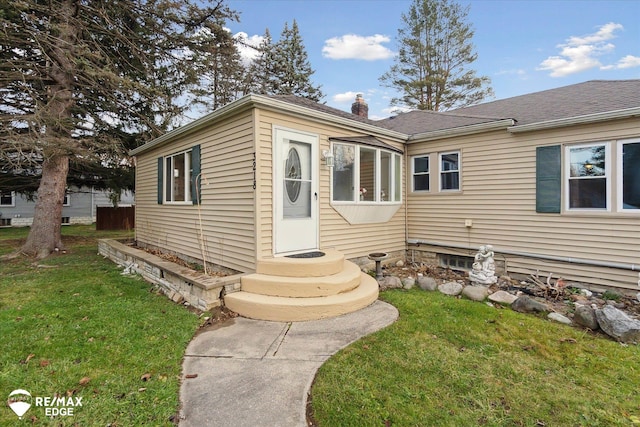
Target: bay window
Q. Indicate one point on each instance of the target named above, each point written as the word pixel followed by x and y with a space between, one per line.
pixel 363 174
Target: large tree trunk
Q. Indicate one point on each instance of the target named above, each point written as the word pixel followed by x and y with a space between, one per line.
pixel 45 236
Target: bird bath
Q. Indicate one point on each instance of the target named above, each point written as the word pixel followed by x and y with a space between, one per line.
pixel 378 257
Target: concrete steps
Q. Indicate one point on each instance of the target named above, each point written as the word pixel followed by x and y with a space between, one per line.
pixel 292 289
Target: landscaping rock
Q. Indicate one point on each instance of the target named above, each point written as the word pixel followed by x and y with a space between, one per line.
pixel 557 317
pixel 586 316
pixel 408 282
pixel 427 283
pixel 618 325
pixel 502 297
pixel 586 292
pixel 525 304
pixel 451 288
pixel 400 263
pixel 389 282
pixel 475 293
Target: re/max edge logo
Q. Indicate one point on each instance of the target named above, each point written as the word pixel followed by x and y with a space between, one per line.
pixel 21 400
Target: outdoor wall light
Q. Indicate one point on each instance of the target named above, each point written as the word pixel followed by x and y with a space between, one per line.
pixel 328 158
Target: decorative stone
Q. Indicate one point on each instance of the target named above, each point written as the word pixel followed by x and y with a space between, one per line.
pixel 502 297
pixel 586 316
pixel 389 282
pixel 525 304
pixel 586 292
pixel 475 293
pixel 618 324
pixel 408 282
pixel 427 283
pixel 484 268
pixel 557 317
pixel 451 288
pixel 400 263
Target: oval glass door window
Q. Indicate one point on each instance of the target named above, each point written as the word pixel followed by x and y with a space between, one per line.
pixel 293 175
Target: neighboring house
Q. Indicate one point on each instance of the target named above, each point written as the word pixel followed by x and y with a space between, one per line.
pixel 549 179
pixel 79 207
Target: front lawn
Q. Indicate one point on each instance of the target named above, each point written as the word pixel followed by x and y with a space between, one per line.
pixel 453 362
pixel 73 326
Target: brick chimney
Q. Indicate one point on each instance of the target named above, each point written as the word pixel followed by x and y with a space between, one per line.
pixel 360 108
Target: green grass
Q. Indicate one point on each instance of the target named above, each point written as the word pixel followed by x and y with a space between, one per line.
pixel 73 316
pixel 452 362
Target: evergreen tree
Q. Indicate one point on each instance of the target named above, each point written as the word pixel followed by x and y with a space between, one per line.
pixel 432 70
pixel 282 68
pixel 257 79
pixel 221 70
pixel 291 70
pixel 82 81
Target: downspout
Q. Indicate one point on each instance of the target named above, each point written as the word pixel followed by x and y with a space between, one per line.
pixel 618 265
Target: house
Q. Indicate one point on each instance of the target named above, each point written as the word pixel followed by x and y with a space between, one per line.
pixel 550 179
pixel 80 206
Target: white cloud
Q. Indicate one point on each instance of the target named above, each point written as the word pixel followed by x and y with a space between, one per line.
pixel 246 45
pixel 581 53
pixel 344 98
pixel 628 61
pixel 352 46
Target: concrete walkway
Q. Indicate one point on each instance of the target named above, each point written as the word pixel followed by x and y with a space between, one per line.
pixel 256 373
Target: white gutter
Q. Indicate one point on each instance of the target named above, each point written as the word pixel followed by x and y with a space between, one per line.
pixel 462 130
pixel 595 263
pixel 265 101
pixel 577 120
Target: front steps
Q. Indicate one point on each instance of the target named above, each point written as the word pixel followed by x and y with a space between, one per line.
pixel 298 289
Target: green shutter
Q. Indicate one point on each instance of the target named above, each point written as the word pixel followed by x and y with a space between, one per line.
pixel 196 179
pixel 548 179
pixel 160 178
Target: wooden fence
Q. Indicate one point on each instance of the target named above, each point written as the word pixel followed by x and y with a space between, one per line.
pixel 120 218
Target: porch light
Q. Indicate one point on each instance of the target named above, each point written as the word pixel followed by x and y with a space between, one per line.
pixel 328 158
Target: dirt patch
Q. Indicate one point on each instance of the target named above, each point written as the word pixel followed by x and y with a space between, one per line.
pixel 181 262
pixel 218 317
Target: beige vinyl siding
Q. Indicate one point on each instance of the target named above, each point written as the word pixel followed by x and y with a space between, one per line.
pixel 498 180
pixel 335 231
pixel 227 208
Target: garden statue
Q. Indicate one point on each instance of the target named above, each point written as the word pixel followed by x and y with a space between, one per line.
pixel 484 268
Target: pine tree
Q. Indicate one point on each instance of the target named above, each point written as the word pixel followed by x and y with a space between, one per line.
pixel 432 70
pixel 291 68
pixel 221 71
pixel 257 78
pixel 81 82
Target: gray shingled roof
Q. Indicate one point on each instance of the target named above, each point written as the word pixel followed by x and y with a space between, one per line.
pixel 596 96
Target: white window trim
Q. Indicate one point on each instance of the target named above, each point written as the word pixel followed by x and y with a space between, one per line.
pixel 67 200
pixel 459 170
pixel 13 201
pixel 356 179
pixel 607 176
pixel 620 176
pixel 187 179
pixel 414 173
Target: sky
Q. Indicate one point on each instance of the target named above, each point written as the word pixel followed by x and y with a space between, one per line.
pixel 523 46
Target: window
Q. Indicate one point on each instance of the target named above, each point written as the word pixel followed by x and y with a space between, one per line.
pixel 450 171
pixel 5 222
pixel 629 164
pixel 179 179
pixel 67 200
pixel 420 173
pixel 366 174
pixel 7 199
pixel 456 262
pixel 588 172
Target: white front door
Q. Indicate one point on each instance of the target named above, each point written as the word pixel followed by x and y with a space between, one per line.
pixel 295 191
